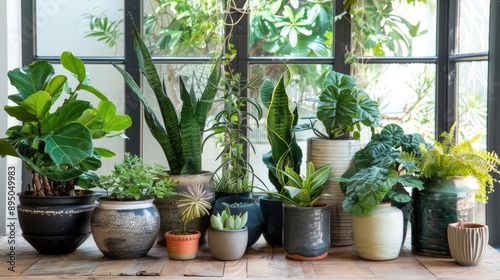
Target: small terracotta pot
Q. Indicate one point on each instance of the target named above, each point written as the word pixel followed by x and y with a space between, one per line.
pixel 467 242
pixel 182 246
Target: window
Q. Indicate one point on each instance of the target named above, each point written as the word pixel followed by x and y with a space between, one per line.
pixel 427 62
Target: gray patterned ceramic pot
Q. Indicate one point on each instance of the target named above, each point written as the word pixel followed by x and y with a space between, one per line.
pixel 125 229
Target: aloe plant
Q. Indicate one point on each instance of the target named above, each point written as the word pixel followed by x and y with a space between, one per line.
pixel 226 221
pixel 281 126
pixel 180 137
pixel 56 139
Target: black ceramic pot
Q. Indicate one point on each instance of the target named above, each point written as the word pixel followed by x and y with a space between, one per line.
pixel 55 224
pixel 272 212
pixel 306 232
pixel 255 221
pixel 440 203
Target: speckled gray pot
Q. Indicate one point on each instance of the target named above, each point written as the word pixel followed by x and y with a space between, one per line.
pixel 169 212
pixel 125 229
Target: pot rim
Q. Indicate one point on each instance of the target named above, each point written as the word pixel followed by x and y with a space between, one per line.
pixel 467 225
pixel 122 204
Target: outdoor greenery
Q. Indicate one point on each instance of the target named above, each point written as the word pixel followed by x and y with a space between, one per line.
pixel 133 180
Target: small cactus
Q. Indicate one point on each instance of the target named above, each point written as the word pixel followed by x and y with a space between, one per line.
pixel 226 221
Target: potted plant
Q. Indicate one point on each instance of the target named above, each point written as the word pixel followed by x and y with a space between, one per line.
pixel 125 223
pixel 55 140
pixel 281 125
pixel 182 244
pixel 306 222
pixel 381 171
pixel 455 176
pixel 228 235
pixel 343 110
pixel 235 175
pixel 178 133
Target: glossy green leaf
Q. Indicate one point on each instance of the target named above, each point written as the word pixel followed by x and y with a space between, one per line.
pixel 69 145
pixel 28 80
pixel 65 114
pixel 74 65
pixel 38 103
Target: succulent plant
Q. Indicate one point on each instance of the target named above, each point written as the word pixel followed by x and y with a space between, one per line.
pixel 226 221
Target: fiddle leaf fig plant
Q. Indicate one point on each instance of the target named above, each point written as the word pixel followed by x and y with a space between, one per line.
pixel 382 169
pixel 55 137
pixel 343 109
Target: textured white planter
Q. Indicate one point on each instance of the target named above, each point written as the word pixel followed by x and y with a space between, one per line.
pixel 378 235
pixel 340 153
pixel 467 242
pixel 227 245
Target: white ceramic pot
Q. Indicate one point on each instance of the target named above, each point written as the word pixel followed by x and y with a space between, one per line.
pixel 341 154
pixel 378 235
pixel 227 245
pixel 467 242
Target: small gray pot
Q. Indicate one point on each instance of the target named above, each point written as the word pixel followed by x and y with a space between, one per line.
pixel 227 245
pixel 306 232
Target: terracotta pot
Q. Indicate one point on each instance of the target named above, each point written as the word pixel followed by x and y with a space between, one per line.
pixel 341 154
pixel 378 235
pixel 182 247
pixel 468 242
pixel 227 245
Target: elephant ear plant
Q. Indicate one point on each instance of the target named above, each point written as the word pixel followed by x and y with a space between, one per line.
pixel 55 137
pixel 343 108
pixel 382 169
pixel 180 137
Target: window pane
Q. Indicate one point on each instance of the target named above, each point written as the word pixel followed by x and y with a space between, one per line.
pixel 472 100
pixel 291 28
pixel 394 28
pixel 405 93
pixel 473 26
pixel 191 28
pixel 64 25
pixel 304 84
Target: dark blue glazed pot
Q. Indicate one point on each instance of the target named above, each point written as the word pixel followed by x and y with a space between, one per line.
pixel 272 211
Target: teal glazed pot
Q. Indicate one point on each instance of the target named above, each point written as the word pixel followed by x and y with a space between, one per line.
pixel 441 202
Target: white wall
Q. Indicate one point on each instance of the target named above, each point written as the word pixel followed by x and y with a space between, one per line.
pixel 10 57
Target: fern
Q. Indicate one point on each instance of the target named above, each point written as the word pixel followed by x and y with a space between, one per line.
pixel 447 159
